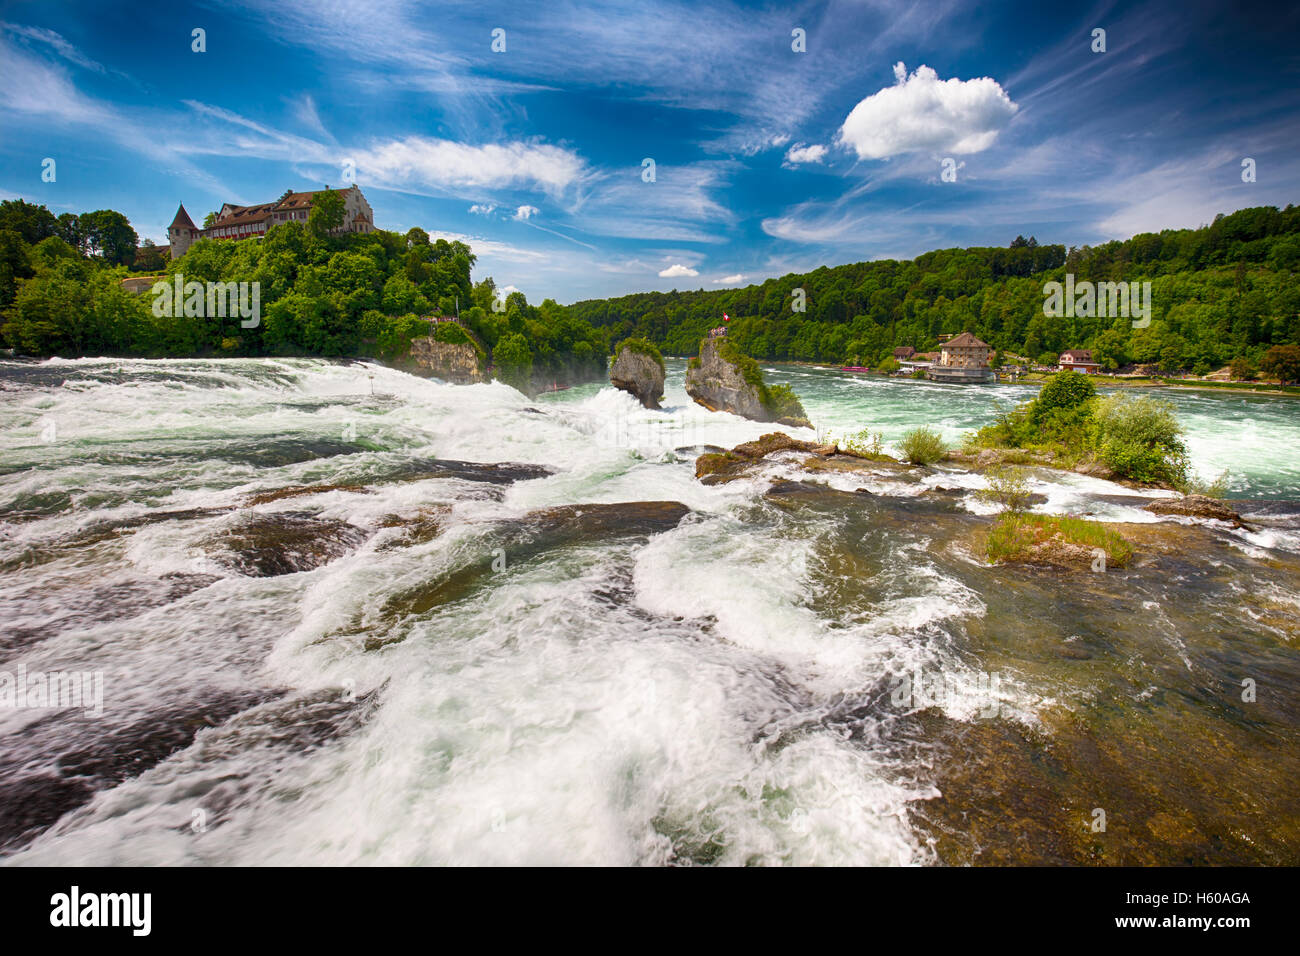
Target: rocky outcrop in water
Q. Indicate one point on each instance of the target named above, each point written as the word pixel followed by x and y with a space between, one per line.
pixel 639 369
pixel 1196 506
pixel 454 362
pixel 720 386
pixel 723 380
pixel 713 468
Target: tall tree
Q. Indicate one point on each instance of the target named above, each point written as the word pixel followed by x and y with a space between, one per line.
pixel 109 234
pixel 326 214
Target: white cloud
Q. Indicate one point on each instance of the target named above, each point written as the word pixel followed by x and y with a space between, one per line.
pixel 526 212
pixel 28 85
pixel 737 279
pixel 421 160
pixel 482 209
pixel 923 112
pixel 56 41
pixel 799 153
pixel 306 113
pixel 677 269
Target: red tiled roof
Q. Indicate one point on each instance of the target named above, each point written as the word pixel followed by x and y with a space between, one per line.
pixel 965 341
pixel 261 213
pixel 182 219
pixel 244 215
pixel 1077 355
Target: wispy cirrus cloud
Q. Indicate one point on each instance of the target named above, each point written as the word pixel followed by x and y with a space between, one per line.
pixel 56 42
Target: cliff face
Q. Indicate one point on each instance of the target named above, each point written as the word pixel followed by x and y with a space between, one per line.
pixel 457 363
pixel 720 386
pixel 639 374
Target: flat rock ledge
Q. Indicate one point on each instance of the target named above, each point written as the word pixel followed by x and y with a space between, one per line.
pixel 1197 506
pixel 715 468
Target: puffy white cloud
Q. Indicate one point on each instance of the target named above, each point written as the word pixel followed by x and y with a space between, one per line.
pixel 422 160
pixel 526 212
pixel 482 209
pixel 677 269
pixel 799 153
pixel 737 279
pixel 923 112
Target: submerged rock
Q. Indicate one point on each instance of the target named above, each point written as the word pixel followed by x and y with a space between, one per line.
pixel 1196 506
pixel 537 532
pixel 639 369
pixel 296 491
pixel 494 473
pixel 601 520
pixel 59 767
pixel 283 542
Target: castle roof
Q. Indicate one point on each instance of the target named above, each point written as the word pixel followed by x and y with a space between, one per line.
pixel 965 341
pixel 239 215
pixel 182 219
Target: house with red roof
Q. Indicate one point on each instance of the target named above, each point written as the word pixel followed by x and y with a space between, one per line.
pixel 251 222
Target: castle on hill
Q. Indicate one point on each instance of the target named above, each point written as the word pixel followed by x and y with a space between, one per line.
pixel 247 222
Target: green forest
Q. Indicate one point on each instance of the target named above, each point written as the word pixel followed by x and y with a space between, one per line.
pixel 1223 292
pixel 353 294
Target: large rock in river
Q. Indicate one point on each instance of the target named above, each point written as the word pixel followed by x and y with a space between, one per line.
pixel 639 370
pixel 723 380
pixel 450 352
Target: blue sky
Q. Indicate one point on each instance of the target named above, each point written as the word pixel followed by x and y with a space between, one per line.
pixel 767 160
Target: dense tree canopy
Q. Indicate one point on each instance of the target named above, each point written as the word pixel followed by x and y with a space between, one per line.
pixel 351 294
pixel 1223 291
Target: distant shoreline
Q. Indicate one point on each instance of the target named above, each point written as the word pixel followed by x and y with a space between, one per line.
pixel 1240 388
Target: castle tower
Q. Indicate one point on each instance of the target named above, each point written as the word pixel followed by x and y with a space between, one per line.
pixel 182 232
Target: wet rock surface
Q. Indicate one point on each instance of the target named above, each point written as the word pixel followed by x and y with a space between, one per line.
pixel 640 375
pixel 718 467
pixel 495 473
pixel 45 778
pixel 283 542
pixel 104 603
pixel 1196 506
pixel 515 542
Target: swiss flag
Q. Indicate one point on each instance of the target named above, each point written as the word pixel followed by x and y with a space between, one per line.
pixel 725 317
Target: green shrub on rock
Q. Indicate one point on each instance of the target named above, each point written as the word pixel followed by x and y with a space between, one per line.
pixel 1140 439
pixel 923 446
pixel 640 347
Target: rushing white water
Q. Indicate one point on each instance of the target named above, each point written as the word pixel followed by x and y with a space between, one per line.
pixel 628 700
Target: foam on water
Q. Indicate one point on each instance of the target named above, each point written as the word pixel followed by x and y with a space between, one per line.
pixel 631 700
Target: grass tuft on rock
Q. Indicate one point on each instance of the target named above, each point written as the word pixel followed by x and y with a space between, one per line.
pixel 1054 539
pixel 641 347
